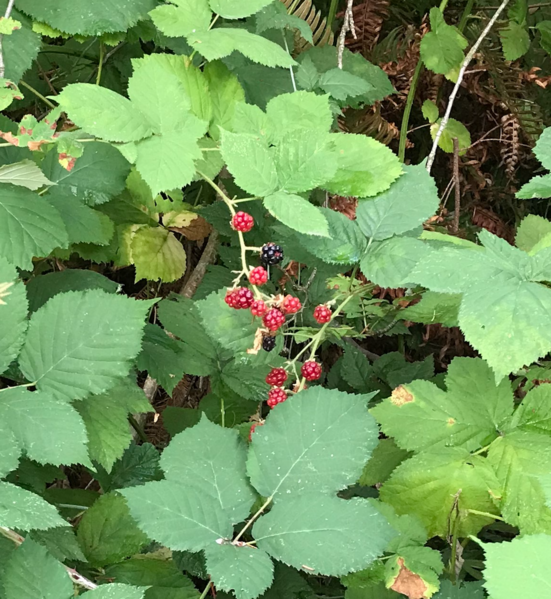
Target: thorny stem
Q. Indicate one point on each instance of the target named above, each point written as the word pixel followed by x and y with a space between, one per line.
pixel 74 575
pixel 37 94
pixel 457 85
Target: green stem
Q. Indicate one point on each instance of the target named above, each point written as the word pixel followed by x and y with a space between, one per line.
pixel 409 102
pixel 465 15
pixel 254 517
pixel 205 592
pixel 100 66
pixel 137 428
pixel 332 12
pixel 486 515
pixel 222 411
pixel 453 557
pixel 37 94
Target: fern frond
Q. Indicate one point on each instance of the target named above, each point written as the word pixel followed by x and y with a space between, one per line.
pixel 321 31
pixel 369 17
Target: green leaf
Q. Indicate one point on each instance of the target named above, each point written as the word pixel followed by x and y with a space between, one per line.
pixel 307 429
pixel 345 245
pixel 103 112
pixel 304 162
pixel 365 167
pixel 430 111
pixel 531 231
pixel 96 334
pixel 245 570
pixel 468 590
pixel 288 584
pixel 183 19
pixel 250 119
pixel 61 542
pixel 98 175
pixel 83 224
pixel 393 212
pixel 115 591
pixel 212 459
pixel 428 484
pixel 25 174
pixel 357 371
pixel 20 48
pixel 395 370
pixel 10 452
pixel 41 289
pixel 307 75
pixel 50 431
pixel 322 534
pixel 251 163
pixel 230 10
pixel 434 308
pixel 544 27
pixel 232 329
pixel 138 465
pixel 157 254
pixel 299 112
pixel 297 213
pixel 32 572
pixel 178 515
pixel 24 510
pixel 515 40
pixel 275 16
pixel 221 42
pixel 453 129
pixel 420 416
pixel 225 93
pixel 29 226
pixel 107 533
pixel 442 48
pixel 518 568
pixel 342 84
pixel 518 459
pixel 13 314
pixel 537 187
pixel 167 161
pixel 75 17
pixel 387 456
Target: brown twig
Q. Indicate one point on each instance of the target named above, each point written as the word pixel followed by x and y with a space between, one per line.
pixel 348 25
pixel 207 257
pixel 455 226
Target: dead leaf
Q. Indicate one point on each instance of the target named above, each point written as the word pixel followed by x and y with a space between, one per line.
pixel 197 229
pixel 409 584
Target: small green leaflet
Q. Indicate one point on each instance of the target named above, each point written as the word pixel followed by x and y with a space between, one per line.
pixel 434 308
pixel 24 510
pixel 247 571
pixel 229 9
pixel 13 314
pixel 225 93
pixel 519 568
pixel 157 254
pixel 25 173
pixel 442 48
pixel 342 84
pixel 453 129
pixel 183 19
pixel 322 534
pixel 96 336
pixel 430 111
pixel 539 187
pixel 275 16
pixel 107 533
pixel 302 464
pixel 32 572
pixel 212 459
pixel 533 229
pixel 297 213
pixel 515 40
pixel 10 451
pixel 115 590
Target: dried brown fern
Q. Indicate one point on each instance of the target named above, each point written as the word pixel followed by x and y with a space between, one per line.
pixel 510 146
pixel 369 17
pixel 321 31
pixel 369 121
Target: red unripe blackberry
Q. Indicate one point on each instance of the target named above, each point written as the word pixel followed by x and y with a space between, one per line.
pixel 258 308
pixel 243 298
pixel 273 319
pixel 258 276
pixel 311 370
pixel 276 377
pixel 291 304
pixel 276 395
pixel 268 343
pixel 242 221
pixel 322 314
pixel 231 298
pixel 253 428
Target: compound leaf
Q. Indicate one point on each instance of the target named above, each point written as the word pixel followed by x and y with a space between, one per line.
pixel 24 510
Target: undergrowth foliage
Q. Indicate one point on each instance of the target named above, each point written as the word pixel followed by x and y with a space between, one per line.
pixel 205 389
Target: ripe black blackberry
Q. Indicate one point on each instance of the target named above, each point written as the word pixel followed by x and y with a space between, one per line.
pixel 268 343
pixel 271 254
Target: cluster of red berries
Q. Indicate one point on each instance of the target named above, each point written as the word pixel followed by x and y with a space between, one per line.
pixel 322 314
pixel 276 377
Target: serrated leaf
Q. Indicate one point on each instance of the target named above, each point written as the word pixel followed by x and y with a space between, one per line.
pixel 314 455
pixel 297 213
pixel 75 17
pixel 387 456
pixel 20 48
pixel 323 534
pixel 357 371
pixel 245 570
pixel 365 167
pixel 251 163
pixel 183 19
pixel 32 572
pixel 515 40
pixel 138 465
pixel 221 42
pixel 13 314
pixel 97 335
pixel 178 515
pixel 61 542
pixel 107 533
pixel 24 510
pixel 103 112
pixel 50 431
pixel 250 119
pixel 298 112
pixel 10 451
pixel 408 203
pixel 307 75
pixel 224 92
pixel 213 460
pixel 342 84
pixel 537 187
pixel 430 111
pixel 275 16
pixel 25 174
pixel 467 590
pixel 115 590
pixel 157 254
pixel 542 149
pixel 230 10
pixel 434 308
pixel 442 48
pixel 518 568
pixel 29 226
pixel 428 484
pixel 471 409
pixel 453 129
pixel 531 231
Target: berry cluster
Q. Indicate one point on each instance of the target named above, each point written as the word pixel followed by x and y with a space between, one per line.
pixel 240 298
